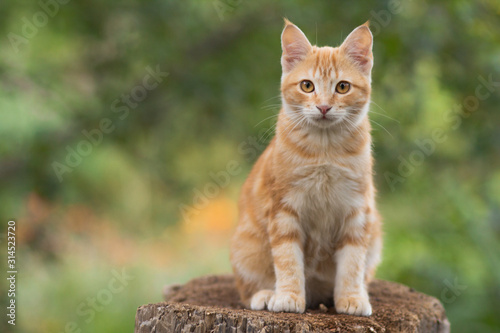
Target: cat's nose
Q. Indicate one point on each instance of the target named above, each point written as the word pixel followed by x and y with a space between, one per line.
pixel 323 108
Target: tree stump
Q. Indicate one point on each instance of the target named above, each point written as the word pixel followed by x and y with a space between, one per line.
pixel 211 304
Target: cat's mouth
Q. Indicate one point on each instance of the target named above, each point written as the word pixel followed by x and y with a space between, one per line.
pixel 325 121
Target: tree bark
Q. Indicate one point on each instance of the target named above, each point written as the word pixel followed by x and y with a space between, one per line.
pixel 211 304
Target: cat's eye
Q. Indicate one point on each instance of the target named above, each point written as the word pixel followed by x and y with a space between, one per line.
pixel 343 87
pixel 307 86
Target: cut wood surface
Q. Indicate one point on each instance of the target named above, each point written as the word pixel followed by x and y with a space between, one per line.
pixel 211 304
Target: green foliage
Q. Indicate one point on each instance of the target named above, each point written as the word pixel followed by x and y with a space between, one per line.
pixel 441 206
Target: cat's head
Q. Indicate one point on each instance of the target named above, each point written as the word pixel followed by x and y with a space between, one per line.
pixel 326 87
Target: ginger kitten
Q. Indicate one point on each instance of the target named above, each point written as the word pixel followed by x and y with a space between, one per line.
pixel 308 228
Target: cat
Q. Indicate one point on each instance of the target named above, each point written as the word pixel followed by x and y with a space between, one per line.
pixel 308 230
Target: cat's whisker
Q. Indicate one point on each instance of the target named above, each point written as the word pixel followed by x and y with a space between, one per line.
pixel 300 121
pixel 295 105
pixel 263 120
pixel 348 128
pixel 386 116
pixel 296 121
pixel 381 108
pixel 266 134
pixel 353 125
pixel 267 100
pixel 271 105
pixel 288 126
pixel 269 132
pixel 342 128
pixel 385 129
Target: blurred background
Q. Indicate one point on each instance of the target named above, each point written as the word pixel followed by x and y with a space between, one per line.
pixel 128 127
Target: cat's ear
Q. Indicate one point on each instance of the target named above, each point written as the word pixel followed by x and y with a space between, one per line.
pixel 295 46
pixel 358 47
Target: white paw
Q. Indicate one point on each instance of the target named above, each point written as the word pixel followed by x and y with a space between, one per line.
pixel 287 302
pixel 357 305
pixel 261 299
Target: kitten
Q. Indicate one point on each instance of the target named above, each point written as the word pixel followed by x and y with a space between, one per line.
pixel 309 230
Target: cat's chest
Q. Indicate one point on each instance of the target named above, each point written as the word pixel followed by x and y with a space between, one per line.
pixel 324 191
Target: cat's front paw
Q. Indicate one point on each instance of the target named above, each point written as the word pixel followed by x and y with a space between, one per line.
pixel 357 305
pixel 287 302
pixel 261 299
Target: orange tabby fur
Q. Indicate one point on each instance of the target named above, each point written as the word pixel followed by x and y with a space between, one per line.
pixel 309 231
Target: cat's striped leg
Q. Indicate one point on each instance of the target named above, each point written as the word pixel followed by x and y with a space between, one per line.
pixel 252 264
pixel 373 257
pixel 286 244
pixel 350 294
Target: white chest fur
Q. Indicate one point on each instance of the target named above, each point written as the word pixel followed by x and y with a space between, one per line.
pixel 322 193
